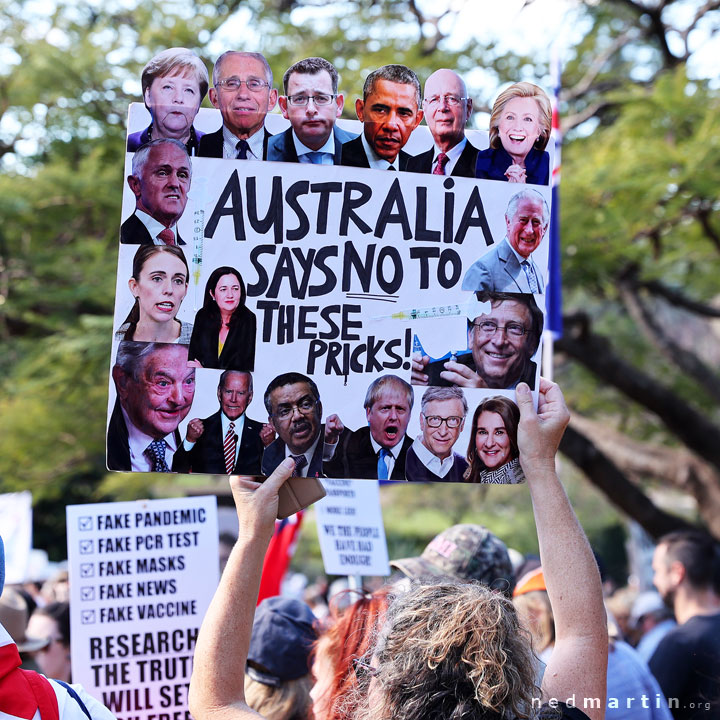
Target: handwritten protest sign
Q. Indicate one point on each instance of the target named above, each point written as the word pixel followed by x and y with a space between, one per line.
pixel 346 276
pixel 350 529
pixel 142 576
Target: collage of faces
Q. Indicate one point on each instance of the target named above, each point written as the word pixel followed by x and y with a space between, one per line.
pixel 163 348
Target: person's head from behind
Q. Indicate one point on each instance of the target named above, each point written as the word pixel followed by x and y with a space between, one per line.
pixel 388 402
pixel 277 675
pixel 493 440
pixel 311 102
pixel 292 401
pixel 159 283
pixel 533 606
pixel 390 109
pixel 442 418
pixel 174 83
pixel 352 630
pixel 160 179
pixel 448 650
pixel 154 385
pixel 686 562
pixel 52 622
pixel 521 119
pixel 504 336
pixel 464 552
pixel 224 292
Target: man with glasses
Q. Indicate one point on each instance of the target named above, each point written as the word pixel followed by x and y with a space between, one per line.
pixel 442 418
pixel 228 442
pixel 312 104
pixel 503 335
pixel 243 92
pixel 378 450
pixel 509 267
pixel 447 111
pixel 294 410
pixel 389 111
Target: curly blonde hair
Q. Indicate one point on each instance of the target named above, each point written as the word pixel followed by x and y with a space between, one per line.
pixel 454 651
pixel 522 89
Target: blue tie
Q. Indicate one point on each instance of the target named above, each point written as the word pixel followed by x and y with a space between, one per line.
pixel 156 450
pixel 530 275
pixel 382 465
pixel 316 158
pixel 242 147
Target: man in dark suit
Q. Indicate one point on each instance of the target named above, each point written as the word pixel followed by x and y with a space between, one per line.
pixel 312 104
pixel 509 267
pixel 160 181
pixel 155 389
pixel 243 92
pixel 447 111
pixel 504 331
pixel 378 450
pixel 228 442
pixel 294 409
pixel 390 111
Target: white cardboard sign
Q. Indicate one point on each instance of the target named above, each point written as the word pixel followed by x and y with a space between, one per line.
pixel 142 575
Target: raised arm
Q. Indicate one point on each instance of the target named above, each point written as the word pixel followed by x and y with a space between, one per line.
pixel 578 664
pixel 217 686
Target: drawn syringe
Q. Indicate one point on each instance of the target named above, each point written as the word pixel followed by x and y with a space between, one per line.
pixel 436 311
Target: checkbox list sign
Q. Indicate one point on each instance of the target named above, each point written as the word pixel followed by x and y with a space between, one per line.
pixel 85 523
pixel 86 547
pixel 87 592
pixel 87 617
pixel 87 570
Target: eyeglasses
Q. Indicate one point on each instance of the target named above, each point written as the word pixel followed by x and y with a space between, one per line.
pixel 451 100
pixel 305 407
pixel 363 669
pixel 435 421
pixel 488 327
pixel 233 84
pixel 320 99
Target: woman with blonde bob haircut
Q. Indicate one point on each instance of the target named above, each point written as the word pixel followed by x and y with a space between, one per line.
pixel 520 126
pixel 446 650
pixel 174 83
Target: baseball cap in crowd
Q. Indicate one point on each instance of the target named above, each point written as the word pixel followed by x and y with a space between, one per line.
pixel 282 637
pixel 14 618
pixel 530 581
pixel 646 602
pixel 466 552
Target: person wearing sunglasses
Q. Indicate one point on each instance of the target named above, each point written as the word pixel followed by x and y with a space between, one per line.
pixel 243 92
pixel 442 418
pixel 312 104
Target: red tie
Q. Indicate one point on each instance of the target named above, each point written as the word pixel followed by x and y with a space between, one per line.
pixel 229 448
pixel 442 160
pixel 167 236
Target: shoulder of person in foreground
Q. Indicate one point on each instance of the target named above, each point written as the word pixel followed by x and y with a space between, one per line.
pixel 75 703
pixel 578 664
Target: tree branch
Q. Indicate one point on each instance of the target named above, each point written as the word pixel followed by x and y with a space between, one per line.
pixel 686 361
pixel 611 481
pixel 596 354
pixel 675 297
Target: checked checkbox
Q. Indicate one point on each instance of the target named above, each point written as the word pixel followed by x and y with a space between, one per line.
pixel 87 592
pixel 86 547
pixel 87 617
pixel 85 522
pixel 87 570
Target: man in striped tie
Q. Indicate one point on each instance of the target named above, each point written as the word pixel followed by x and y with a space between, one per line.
pixel 508 266
pixel 227 442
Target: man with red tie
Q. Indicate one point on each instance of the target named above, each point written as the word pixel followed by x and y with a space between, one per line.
pixel 447 111
pixel 160 181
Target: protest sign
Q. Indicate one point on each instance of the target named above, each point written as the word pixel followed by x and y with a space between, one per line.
pixel 16 526
pixel 142 575
pixel 341 275
pixel 350 529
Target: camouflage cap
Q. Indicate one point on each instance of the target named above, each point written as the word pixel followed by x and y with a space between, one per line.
pixel 465 552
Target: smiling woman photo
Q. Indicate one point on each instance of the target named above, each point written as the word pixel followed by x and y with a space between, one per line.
pixel 520 126
pixel 224 334
pixel 492 453
pixel 159 283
